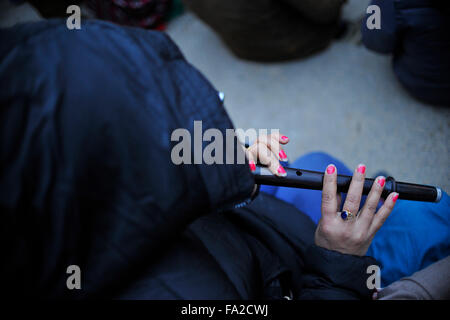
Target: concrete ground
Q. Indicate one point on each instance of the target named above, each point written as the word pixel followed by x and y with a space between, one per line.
pixel 345 101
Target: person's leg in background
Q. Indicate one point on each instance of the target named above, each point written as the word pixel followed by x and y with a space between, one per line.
pixel 415 235
pixel 431 283
pixel 319 11
pixel 267 30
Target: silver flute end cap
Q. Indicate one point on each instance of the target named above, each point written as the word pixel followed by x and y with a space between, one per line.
pixel 438 195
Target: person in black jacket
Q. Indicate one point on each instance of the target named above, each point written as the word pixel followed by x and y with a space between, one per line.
pixel 417 34
pixel 87 180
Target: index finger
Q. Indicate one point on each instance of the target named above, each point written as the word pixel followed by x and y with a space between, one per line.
pixel 273 141
pixel 279 137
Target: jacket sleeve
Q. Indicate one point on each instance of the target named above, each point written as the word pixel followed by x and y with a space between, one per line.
pixel 332 275
pixel 382 40
pixel 86 153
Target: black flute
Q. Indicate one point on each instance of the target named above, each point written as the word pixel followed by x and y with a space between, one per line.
pixel 306 179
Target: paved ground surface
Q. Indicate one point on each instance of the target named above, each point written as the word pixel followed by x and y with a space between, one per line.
pixel 345 101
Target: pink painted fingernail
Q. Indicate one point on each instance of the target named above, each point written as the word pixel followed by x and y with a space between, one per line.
pixel 282 155
pixel 281 171
pixel 284 138
pixel 395 197
pixel 252 165
pixel 381 182
pixel 361 169
pixel 331 169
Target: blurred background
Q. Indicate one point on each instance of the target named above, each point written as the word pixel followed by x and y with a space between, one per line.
pixel 344 100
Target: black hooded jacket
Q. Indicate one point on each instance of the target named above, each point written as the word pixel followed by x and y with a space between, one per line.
pixel 86 179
